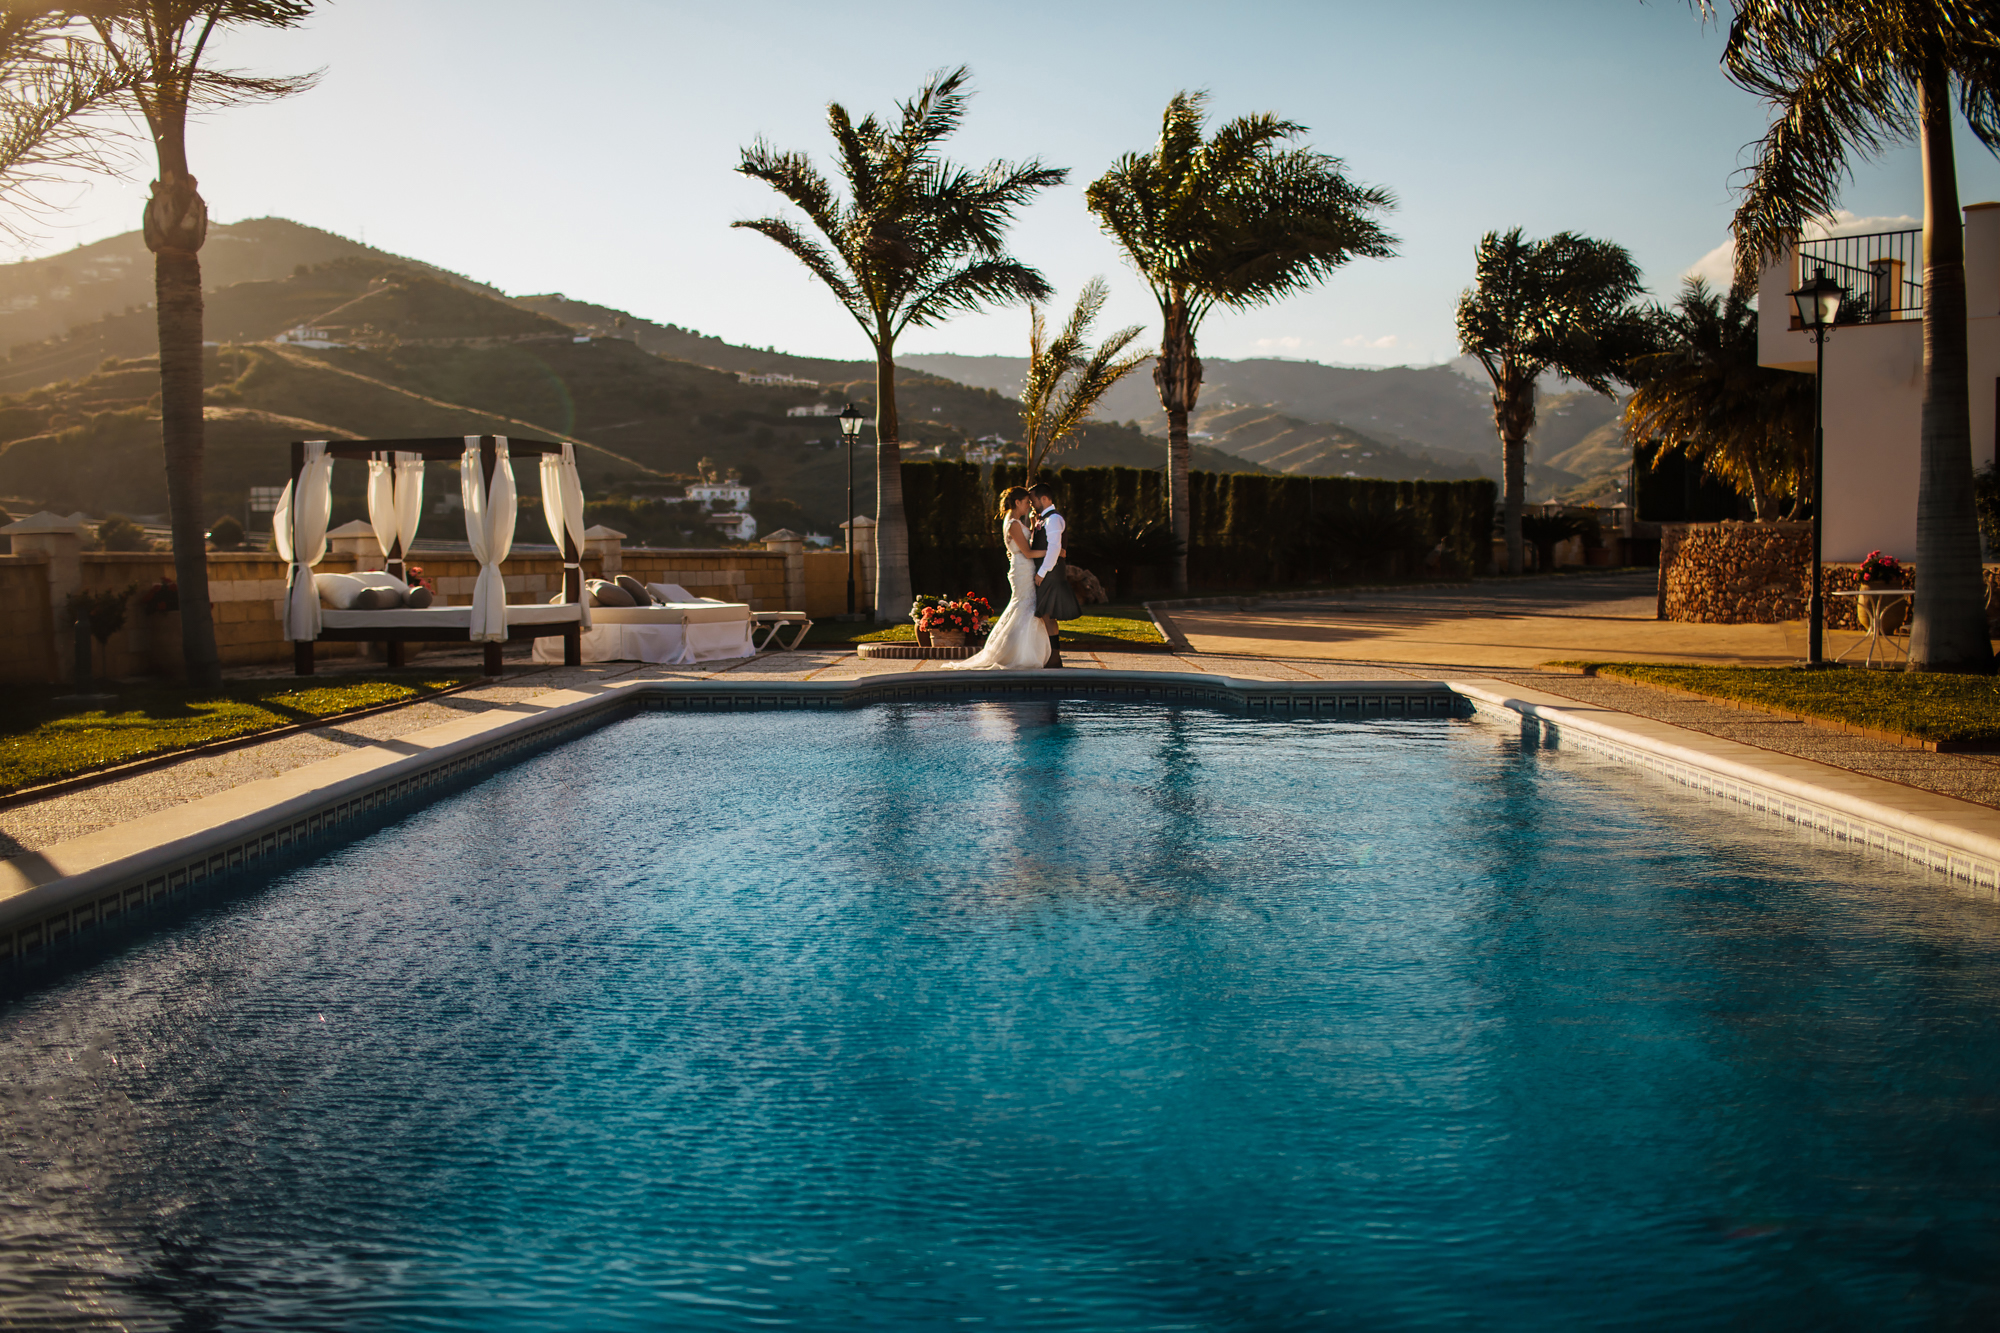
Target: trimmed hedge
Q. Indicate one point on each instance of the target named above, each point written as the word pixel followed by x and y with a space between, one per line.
pixel 1248 530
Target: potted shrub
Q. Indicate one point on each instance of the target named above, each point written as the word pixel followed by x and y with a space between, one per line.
pixel 925 601
pixel 953 623
pixel 1880 572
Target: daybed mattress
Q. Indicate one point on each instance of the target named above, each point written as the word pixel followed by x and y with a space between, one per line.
pixel 448 617
pixel 673 613
pixel 678 634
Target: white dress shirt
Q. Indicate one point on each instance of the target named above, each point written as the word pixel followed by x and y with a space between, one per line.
pixel 1052 533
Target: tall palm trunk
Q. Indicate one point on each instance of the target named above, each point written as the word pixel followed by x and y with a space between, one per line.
pixel 175 225
pixel 1948 629
pixel 1514 416
pixel 892 529
pixel 1177 375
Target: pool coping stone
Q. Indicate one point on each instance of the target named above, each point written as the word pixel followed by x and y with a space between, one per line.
pixel 1957 838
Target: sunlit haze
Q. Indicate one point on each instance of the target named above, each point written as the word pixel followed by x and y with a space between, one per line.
pixel 588 148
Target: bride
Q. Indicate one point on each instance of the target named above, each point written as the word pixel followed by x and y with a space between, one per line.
pixel 1018 639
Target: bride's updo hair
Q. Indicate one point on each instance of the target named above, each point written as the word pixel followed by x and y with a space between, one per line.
pixel 1011 497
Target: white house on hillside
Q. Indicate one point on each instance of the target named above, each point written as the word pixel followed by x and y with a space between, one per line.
pixel 1874 371
pixel 727 495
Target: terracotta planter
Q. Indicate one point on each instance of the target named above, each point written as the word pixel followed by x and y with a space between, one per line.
pixel 923 638
pixel 947 638
pixel 1891 611
pixel 163 644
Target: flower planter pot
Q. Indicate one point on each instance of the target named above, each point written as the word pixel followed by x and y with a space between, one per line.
pixel 947 638
pixel 1890 611
pixel 923 638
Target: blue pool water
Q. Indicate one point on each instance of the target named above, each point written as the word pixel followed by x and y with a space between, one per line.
pixel 1025 1016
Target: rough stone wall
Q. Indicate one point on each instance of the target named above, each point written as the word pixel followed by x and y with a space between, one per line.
pixel 1755 574
pixel 1734 573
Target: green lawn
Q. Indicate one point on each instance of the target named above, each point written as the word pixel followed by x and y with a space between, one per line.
pixel 1105 626
pixel 43 738
pixel 1926 705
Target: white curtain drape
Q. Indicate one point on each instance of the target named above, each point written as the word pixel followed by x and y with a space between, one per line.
pixel 299 530
pixel 395 500
pixel 409 500
pixel 562 506
pixel 489 527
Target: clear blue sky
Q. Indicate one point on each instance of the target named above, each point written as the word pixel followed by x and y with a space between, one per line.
pixel 587 147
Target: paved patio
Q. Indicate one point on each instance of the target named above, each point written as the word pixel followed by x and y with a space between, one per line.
pixel 1500 623
pixel 1502 630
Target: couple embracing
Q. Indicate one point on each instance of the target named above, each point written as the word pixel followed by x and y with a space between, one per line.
pixel 1027 634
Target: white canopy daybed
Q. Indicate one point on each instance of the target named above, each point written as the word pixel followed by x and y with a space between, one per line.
pixel 395 503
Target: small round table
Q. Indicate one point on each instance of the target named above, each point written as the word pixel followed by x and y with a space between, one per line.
pixel 1875 635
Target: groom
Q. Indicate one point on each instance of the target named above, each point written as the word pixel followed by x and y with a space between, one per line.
pixel 1055 600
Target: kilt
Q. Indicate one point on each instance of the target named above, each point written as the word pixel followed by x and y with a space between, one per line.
pixel 1055 598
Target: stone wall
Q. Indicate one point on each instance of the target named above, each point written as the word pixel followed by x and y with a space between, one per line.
pixel 1734 573
pixel 1755 574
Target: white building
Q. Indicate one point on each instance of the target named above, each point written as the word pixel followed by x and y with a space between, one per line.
pixel 1874 372
pixel 725 495
pixel 305 336
pixel 740 527
pixel 813 410
pixel 775 380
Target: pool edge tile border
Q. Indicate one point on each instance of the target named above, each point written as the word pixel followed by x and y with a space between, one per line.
pixel 1958 839
pixel 56 894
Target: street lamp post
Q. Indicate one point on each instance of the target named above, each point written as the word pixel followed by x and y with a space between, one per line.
pixel 1818 304
pixel 850 431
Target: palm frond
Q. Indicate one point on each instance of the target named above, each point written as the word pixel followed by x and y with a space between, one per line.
pixel 817 261
pixel 982 282
pixel 1235 219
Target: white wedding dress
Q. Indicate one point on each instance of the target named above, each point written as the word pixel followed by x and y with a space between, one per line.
pixel 1017 641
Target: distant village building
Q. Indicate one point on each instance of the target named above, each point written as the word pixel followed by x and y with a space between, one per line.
pixel 304 335
pixel 775 380
pixel 713 495
pixel 736 526
pixel 814 410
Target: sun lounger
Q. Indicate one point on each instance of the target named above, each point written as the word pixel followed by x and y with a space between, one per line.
pixel 773 624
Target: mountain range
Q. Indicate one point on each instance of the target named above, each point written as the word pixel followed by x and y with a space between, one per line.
pixel 392 346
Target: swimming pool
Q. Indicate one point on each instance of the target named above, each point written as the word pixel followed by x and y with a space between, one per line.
pixel 1056 1015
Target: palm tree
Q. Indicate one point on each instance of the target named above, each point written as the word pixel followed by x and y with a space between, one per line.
pixel 156 48
pixel 918 240
pixel 1701 391
pixel 1236 220
pixel 1064 383
pixel 1565 304
pixel 1845 79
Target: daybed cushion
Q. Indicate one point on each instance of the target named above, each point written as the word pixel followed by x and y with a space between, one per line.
pixel 376 599
pixel 670 592
pixel 640 597
pixel 337 591
pixel 419 598
pixel 607 594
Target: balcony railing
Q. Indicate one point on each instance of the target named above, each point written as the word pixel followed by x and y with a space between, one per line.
pixel 1883 273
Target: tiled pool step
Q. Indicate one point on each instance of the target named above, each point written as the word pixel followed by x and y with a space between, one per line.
pixel 49 896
